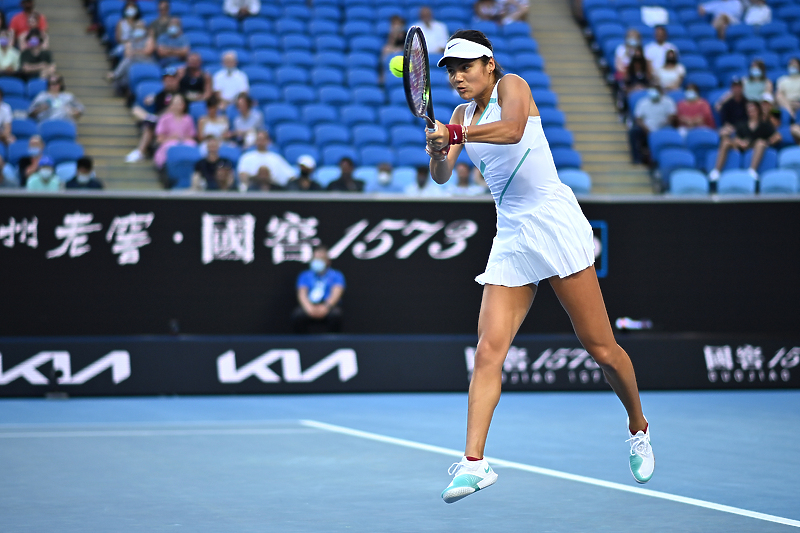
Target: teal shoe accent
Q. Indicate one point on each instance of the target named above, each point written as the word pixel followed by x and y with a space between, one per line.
pixel 636 463
pixel 467 480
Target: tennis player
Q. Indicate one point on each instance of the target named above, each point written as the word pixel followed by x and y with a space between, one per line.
pixel 541 234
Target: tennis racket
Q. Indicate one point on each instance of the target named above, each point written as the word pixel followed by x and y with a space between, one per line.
pixel 417 76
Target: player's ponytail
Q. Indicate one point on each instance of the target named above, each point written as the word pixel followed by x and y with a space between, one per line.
pixel 480 38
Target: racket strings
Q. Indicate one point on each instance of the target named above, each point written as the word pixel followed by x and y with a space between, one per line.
pixel 418 74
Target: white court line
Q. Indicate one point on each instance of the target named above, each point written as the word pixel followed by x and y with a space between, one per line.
pixel 556 474
pixel 148 433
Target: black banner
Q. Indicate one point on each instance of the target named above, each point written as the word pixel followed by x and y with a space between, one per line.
pixel 367 363
pixel 227 264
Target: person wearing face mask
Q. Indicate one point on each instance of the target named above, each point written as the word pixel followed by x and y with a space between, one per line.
pixel 385 182
pixel 44 179
pixel 139 49
pixel 36 62
pixel 85 177
pixel 34 30
pixel 694 111
pixel 652 113
pixel 305 180
pixel 125 27
pixel 756 83
pixel 241 9
pixel 159 26
pixel 173 46
pixel 656 51
pixel 723 13
pixel 55 103
pixel 319 293
pixel 639 72
pixel 788 92
pixel 670 76
pixel 29 164
pixel 9 56
pixel 624 53
pixel 230 82
pixel 346 182
pixel 19 22
pixel 6 118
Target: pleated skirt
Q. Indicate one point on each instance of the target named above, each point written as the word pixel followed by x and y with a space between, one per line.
pixel 554 239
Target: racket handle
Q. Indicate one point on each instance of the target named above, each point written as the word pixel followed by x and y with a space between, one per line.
pixel 431 129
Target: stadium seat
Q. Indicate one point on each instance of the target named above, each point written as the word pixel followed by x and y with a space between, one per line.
pixel 790 158
pixel 62 151
pixel 685 45
pixel 579 181
pixel 528 61
pixel 292 151
pixel 751 45
pixel 671 159
pixel 361 60
pixel 289 25
pixel 37 85
pixel 566 158
pixel 489 28
pixel 536 79
pixel 323 12
pixel 773 29
pixel 58 130
pixel 280 112
pixel 735 32
pixel 602 16
pixel 66 170
pixel 254 25
pixel 359 77
pixel 19 104
pixel 787 13
pixel 350 115
pixel 180 165
pixel 393 115
pixel 711 48
pixel 12 86
pixel 335 95
pixel 227 40
pixel 335 60
pixel 230 152
pixel 699 32
pixel 326 134
pixel 366 134
pixel 296 41
pixel 17 150
pixel 298 58
pixel 544 98
pixel 355 28
pixel 139 72
pixel 330 43
pixel 368 96
pixel 733 162
pixel 24 128
pixel 300 94
pixel 768 162
pixel 296 11
pixel 288 133
pixel 263 40
pixel 221 24
pixel 257 74
pixel 700 141
pixel 313 114
pixel 366 43
pixel 705 81
pixel 607 31
pixel 319 27
pixel 736 181
pixel 779 181
pixel 407 134
pixel 413 156
pixel 333 153
pixel 356 12
pixel 663 139
pixel 264 93
pixel 552 117
pixel 517 28
pixel 686 181
pixel 375 155
pixel 288 75
pixel 694 62
pixel 327 173
pixel 523 44
pixel 559 138
pixel 201 9
pixel 784 43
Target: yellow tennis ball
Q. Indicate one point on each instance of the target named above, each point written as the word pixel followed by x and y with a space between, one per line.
pixel 396 66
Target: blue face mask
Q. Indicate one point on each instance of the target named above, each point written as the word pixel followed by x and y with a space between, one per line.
pixel 318 266
pixel 173 30
pixel 691 94
pixel 755 72
pixel 653 94
pixel 34 151
pixel 138 33
pixel 793 70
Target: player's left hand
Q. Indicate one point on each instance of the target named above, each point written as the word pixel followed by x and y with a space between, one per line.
pixel 439 139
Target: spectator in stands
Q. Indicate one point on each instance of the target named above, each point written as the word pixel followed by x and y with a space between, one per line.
pixel 262 182
pixel 125 26
pixel 639 74
pixel 160 25
pixel 55 103
pixel 9 56
pixel 8 176
pixel 174 127
pixel 487 10
pixel 213 125
pixel 758 14
pixel 656 51
pixel 424 185
pixel 788 93
pixel 147 120
pixel 280 170
pixel 85 177
pixel 4 28
pixel 385 182
pixel 6 118
pixel 435 32
pixel 305 180
pixel 230 82
pixel 36 62
pixel 723 13
pixel 694 111
pixel 224 178
pixel 757 132
pixel 733 110
pixel 242 9
pixel 670 76
pixel 34 30
pixel 396 38
pixel 172 47
pixel 651 114
pixel 44 179
pixel 346 182
pixel 624 53
pixel 138 49
pixel 513 10
pixel 756 82
pixel 195 84
pixel 19 22
pixel 29 164
pixel 464 185
pixel 319 293
pixel 205 170
pixel 769 111
pixel 248 122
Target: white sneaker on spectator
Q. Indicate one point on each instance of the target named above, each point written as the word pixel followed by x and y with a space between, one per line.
pixel 134 156
pixel 753 172
pixel 713 175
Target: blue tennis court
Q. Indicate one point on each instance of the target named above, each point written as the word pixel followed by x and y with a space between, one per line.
pixel 726 461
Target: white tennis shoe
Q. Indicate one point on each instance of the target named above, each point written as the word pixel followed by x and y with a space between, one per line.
pixel 468 477
pixel 642 461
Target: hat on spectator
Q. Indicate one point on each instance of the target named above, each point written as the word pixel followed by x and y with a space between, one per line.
pixel 170 71
pixel 46 161
pixel 307 161
pixel 767 97
pixel 736 80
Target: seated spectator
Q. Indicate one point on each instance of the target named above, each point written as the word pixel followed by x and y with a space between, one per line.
pixel 195 84
pixel 396 38
pixel 160 25
pixel 346 182
pixel 756 83
pixel 788 92
pixel 241 9
pixel 723 13
pixel 670 76
pixel 224 178
pixel 262 182
pixel 85 177
pixel 435 32
pixel 213 125
pixel 34 30
pixel 44 179
pixel 138 49
pixel 36 62
pixel 9 56
pixel 656 51
pixel 464 184
pixel 770 112
pixel 205 170
pixel 29 164
pixel 639 74
pixel 757 132
pixel 172 47
pixel 758 14
pixel 624 53
pixel 248 122
pixel 6 118
pixel 5 29
pixel 230 82
pixel 513 10
pixel 694 111
pixel 174 127
pixel 280 170
pixel 651 114
pixel 8 176
pixel 304 181
pixel 54 103
pixel 146 120
pixel 424 185
pixel 319 293
pixel 489 10
pixel 125 26
pixel 385 182
pixel 733 110
pixel 19 22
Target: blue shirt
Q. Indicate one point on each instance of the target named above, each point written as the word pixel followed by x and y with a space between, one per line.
pixel 320 286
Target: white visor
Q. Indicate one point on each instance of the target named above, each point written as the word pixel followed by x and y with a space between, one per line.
pixel 464 49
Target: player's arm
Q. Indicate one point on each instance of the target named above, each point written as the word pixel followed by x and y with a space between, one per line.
pixel 442 165
pixel 514 97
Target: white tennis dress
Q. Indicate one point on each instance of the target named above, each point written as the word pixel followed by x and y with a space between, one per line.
pixel 541 230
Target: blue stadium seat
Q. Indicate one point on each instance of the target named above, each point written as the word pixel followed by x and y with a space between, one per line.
pixel 356 12
pixel 628 17
pixel 789 157
pixel 768 162
pixel 255 25
pixel 209 56
pixel 701 31
pixel 296 41
pixel 280 112
pixel 688 16
pixel 269 11
pixel 361 60
pixel 536 79
pixel 705 81
pixel 12 86
pixel 407 134
pixel 358 77
pixel 322 27
pixel 687 182
pixel 490 29
pixel 332 154
pixel 779 181
pixel 330 43
pixel 265 93
pixel 288 133
pixel 449 12
pixel 523 44
pixel 603 32
pixel 750 45
pixel 263 40
pixel 712 48
pixel 602 15
pixel 528 61
pixel 773 29
pixel 516 29
pixel 559 138
pixel 221 24
pixel 335 95
pixel 58 130
pixel 366 43
pixel 676 30
pixel 298 58
pixel 227 40
pixel 784 43
pixel 24 128
pixel 327 173
pixel 734 32
pixel 445 96
pixel 733 162
pixel 397 96
pixel 179 8
pixel 139 72
pixel 787 13
pixel 145 89
pixel 566 158
pixel 323 12
pixel 369 96
pixel 355 28
pixel 771 60
pixel 685 46
pixel 376 155
pixel 37 85
pixel 299 94
pixel 693 62
pixel 230 152
pixel 351 115
pixel 197 110
pixel 289 25
pixel 331 60
pixel 700 141
pixel 297 11
pixel 413 156
pixel 730 62
pixel 544 98
pixel 180 165
pixel 393 115
pixel 62 151
pixel 552 117
pixel 108 7
pixel 663 139
pixel 18 104
pixel 579 181
pixel 203 9
pixel 292 151
pixel 326 134
pixel 257 74
pixel 288 75
pixel 322 76
pixel 736 181
pixel 671 159
pixel 17 150
pixel 366 134
pixel 313 114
